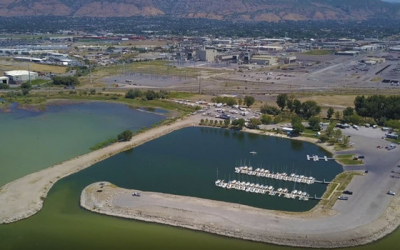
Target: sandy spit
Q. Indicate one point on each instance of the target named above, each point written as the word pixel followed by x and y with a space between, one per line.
pixel 233 220
pixel 24 197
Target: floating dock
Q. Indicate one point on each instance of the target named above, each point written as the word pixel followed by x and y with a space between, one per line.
pixel 261 189
pixel 317 158
pixel 277 176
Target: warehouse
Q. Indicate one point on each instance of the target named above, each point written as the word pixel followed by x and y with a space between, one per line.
pixel 20 76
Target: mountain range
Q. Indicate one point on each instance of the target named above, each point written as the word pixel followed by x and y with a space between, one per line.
pixel 237 10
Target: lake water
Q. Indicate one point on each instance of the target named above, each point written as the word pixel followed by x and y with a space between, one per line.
pixel 183 162
pixel 33 140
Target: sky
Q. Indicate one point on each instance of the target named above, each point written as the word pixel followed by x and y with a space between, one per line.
pixel 395 1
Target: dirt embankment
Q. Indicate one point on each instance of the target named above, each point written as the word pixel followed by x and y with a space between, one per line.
pixel 238 221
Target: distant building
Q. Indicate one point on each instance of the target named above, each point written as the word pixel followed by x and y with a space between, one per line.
pixel 207 55
pixel 4 79
pixel 264 60
pixel 347 53
pixel 20 76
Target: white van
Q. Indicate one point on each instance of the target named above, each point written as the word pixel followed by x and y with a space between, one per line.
pixel 355 127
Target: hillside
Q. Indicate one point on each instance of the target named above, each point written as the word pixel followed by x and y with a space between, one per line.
pixel 248 10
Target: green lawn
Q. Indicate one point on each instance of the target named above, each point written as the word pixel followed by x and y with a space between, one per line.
pixel 39 81
pixel 348 159
pixel 318 52
pixel 342 179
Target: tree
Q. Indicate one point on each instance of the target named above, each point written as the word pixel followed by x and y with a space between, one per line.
pixel 4 86
pixel 240 101
pixel 330 113
pixel 249 100
pixel 310 108
pixel 253 123
pixel 297 106
pixel 290 102
pixel 337 134
pixel 323 138
pixel 150 95
pixel 345 140
pixel 266 119
pixel 66 80
pixel 281 100
pixel 271 110
pixel 337 115
pixel 239 123
pixel 314 123
pixel 297 125
pixel 393 124
pixel 348 112
pixel 201 121
pixel 231 101
pixel 227 122
pixel 125 136
pixel 92 91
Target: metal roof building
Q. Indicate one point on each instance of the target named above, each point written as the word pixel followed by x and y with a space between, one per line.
pixel 20 76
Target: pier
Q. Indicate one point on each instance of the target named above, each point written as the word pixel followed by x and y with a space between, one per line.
pixel 261 189
pixel 317 158
pixel 277 176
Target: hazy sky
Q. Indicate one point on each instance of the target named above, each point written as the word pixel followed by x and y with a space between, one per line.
pixel 397 1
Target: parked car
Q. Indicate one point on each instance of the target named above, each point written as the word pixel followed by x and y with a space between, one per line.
pixel 361 157
pixel 343 198
pixel 348 192
pixel 391 193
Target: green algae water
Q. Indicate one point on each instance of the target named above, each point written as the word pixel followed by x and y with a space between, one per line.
pixel 34 140
pixel 183 162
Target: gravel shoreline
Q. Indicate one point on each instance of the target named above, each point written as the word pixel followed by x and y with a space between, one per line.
pixel 233 220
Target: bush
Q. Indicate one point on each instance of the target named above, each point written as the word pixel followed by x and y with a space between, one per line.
pixel 4 86
pixel 125 136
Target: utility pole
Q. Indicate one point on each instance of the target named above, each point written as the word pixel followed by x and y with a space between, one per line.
pixel 90 72
pixel 29 73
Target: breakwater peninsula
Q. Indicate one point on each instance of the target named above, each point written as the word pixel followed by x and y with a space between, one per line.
pixel 314 229
pixel 24 197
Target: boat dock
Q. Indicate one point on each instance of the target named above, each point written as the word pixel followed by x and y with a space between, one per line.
pixel 277 176
pixel 317 158
pixel 261 189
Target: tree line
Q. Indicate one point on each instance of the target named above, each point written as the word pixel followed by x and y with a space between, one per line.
pixel 380 108
pixel 147 95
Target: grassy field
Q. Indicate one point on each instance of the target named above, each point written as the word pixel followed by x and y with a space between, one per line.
pixel 318 52
pixel 7 64
pixel 348 159
pixel 334 101
pixel 336 188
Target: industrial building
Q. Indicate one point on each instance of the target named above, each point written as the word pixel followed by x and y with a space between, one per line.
pixel 20 76
pixel 264 60
pixel 207 55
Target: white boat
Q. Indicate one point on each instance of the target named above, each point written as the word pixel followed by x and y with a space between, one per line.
pixel 253 152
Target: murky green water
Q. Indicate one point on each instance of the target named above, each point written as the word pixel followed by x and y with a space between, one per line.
pixel 183 162
pixel 31 140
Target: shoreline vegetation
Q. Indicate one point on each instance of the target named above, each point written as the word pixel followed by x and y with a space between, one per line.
pixel 238 221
